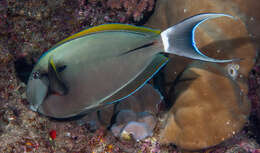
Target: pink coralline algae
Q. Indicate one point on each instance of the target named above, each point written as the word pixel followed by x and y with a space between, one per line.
pixel 117 11
pixel 249 147
pixel 254 89
pixel 256 151
pixel 254 96
pixel 244 145
pixel 134 8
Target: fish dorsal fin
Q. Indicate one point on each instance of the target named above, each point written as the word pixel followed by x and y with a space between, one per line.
pixel 110 27
pixel 106 27
pixel 157 63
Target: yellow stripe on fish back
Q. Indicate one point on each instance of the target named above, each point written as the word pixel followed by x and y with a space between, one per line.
pixel 107 27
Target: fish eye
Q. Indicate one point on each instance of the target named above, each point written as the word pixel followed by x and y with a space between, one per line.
pixel 36 75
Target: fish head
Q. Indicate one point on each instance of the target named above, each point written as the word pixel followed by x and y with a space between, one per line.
pixel 37 88
pixel 44 81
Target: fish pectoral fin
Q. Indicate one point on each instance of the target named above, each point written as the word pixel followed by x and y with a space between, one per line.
pixel 56 84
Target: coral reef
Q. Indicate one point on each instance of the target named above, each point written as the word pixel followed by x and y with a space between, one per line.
pixel 114 11
pixel 219 38
pixel 241 144
pixel 133 8
pixel 209 108
pixel 254 87
pixel 30 27
pixel 254 96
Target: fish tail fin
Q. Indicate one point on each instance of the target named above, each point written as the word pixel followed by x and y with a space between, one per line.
pixel 180 39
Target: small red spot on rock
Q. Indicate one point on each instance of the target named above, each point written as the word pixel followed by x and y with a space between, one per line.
pixel 53 134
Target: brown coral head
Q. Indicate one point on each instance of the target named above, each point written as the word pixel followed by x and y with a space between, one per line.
pixel 211 110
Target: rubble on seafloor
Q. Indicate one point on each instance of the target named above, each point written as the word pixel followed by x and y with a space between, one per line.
pixel 30 27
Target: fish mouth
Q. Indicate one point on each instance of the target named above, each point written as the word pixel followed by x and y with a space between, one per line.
pixel 34 108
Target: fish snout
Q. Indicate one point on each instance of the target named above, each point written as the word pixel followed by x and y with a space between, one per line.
pixel 37 90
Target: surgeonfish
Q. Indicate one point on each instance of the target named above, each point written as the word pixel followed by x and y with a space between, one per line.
pixel 105 64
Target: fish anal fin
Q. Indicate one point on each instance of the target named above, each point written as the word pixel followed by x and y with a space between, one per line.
pixel 157 63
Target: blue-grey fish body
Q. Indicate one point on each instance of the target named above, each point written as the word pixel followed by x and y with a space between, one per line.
pixel 106 64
